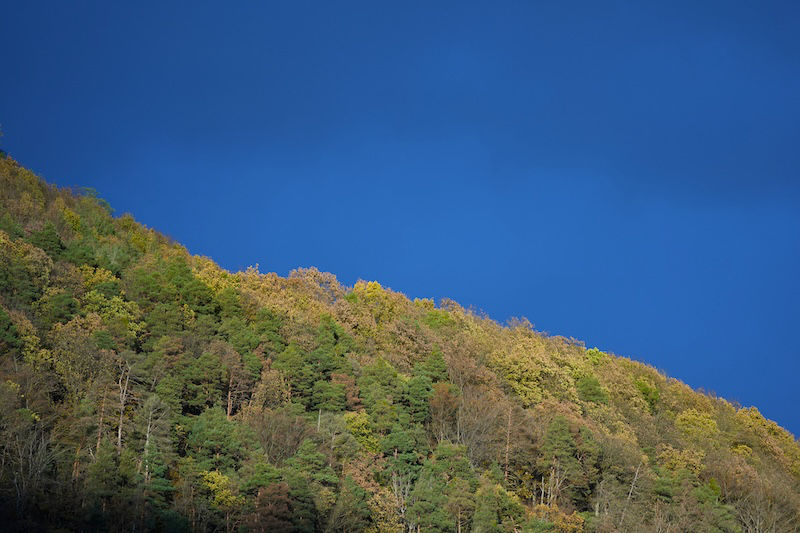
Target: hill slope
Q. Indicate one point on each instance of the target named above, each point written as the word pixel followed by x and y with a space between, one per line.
pixel 143 388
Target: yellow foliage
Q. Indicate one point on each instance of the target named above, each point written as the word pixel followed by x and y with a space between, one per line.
pixel 212 275
pixel 358 425
pixel 696 426
pixel 675 460
pixel 378 300
pixel 742 450
pixel 120 316
pixel 564 523
pixel 32 351
pixel 35 261
pixel 71 357
pixel 779 442
pixel 426 304
pixel 595 356
pixel 222 489
pixel 383 509
pixel 679 396
pixel 527 365
pixel 72 218
pixel 92 277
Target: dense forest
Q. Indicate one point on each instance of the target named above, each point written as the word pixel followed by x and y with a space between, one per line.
pixel 143 388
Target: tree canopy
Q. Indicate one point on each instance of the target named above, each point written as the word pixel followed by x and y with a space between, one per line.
pixel 143 388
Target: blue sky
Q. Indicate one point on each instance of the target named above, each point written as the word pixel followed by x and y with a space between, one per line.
pixel 626 173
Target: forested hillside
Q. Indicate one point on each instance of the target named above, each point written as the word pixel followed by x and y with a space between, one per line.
pixel 143 388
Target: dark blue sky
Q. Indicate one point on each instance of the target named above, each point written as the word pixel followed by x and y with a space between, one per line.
pixel 624 173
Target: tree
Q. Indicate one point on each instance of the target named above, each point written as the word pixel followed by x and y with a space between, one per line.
pixel 442 496
pixel 590 390
pixel 146 389
pixel 404 450
pixel 351 511
pixel 314 464
pixel 460 502
pixel 238 382
pixel 214 442
pixel 126 376
pixel 569 463
pixel 433 367
pixel 496 510
pixel 478 422
pixel 225 496
pixel 10 343
pixel 203 381
pixel 444 404
pixel 417 396
pixel 300 375
pixel 26 452
pixel 279 432
pixel 48 240
pixel 272 510
pixel 326 396
pixel 153 423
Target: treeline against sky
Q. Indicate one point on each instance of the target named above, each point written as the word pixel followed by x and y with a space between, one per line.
pixel 143 388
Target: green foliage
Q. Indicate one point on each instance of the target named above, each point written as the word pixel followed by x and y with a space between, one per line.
pixel 10 343
pixel 433 367
pixel 79 252
pixel 570 457
pixel 229 302
pixel 720 517
pixel 649 392
pixel 120 318
pixel 239 334
pixel 438 319
pixel 202 381
pixel 351 511
pixel 114 483
pixel 304 515
pixel 404 449
pixel 443 495
pixel 309 373
pixel 267 325
pixel 150 390
pixel 214 442
pixel 590 390
pixel 327 397
pixel 496 510
pixel 418 392
pixel 381 392
pixel 56 307
pixel 294 365
pixel 11 226
pixel 48 240
pixel 536 525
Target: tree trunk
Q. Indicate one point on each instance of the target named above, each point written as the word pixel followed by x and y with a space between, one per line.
pixel 630 492
pixel 508 446
pixel 123 398
pixel 145 459
pixel 541 500
pixel 100 423
pixel 230 396
pixel 76 463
